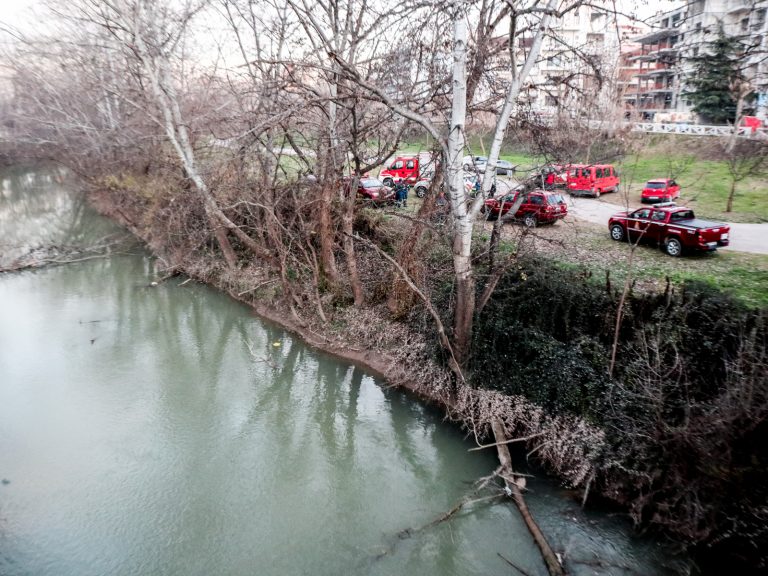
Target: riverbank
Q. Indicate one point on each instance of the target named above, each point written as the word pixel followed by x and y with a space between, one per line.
pixel 544 378
pixel 402 357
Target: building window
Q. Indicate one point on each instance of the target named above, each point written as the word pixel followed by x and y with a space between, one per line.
pixel 744 24
pixel 594 38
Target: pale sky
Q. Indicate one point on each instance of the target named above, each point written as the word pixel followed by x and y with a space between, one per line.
pixel 17 12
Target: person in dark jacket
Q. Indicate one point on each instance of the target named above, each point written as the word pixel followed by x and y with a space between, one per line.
pixel 401 194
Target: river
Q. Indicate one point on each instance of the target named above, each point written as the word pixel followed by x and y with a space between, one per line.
pixel 167 430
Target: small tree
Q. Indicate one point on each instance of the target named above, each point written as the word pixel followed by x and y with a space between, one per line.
pixel 717 86
pixel 744 159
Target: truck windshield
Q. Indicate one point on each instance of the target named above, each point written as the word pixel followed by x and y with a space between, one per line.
pixel 555 199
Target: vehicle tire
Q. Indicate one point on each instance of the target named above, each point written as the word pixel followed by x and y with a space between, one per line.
pixel 421 192
pixel 673 247
pixel 467 167
pixel 530 220
pixel 388 182
pixel 617 232
pixel 597 194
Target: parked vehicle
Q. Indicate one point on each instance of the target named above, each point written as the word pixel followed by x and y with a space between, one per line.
pixel 472 184
pixel 472 163
pixel 405 168
pixel 554 176
pixel 660 190
pixel 592 180
pixel 674 228
pixel 503 167
pixel 372 190
pixel 538 207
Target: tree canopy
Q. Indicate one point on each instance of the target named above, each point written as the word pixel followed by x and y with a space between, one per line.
pixel 718 78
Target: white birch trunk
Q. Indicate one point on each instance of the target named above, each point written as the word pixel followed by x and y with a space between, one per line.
pixel 463 224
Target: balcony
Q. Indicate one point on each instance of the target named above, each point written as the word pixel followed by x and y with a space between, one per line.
pixel 656 36
pixel 661 51
pixel 740 8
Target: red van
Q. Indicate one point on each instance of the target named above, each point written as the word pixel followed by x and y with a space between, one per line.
pixel 592 180
pixel 404 168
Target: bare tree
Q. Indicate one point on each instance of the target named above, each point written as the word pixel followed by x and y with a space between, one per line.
pixel 744 159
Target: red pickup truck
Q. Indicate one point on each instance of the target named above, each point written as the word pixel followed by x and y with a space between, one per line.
pixel 674 228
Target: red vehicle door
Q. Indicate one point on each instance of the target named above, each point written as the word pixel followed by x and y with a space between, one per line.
pixel 657 226
pixel 532 204
pixel 638 222
pixel 411 171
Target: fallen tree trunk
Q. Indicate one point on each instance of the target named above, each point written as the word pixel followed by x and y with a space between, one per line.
pixel 507 473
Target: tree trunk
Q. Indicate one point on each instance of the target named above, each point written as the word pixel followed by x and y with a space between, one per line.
pixel 226 248
pixel 462 239
pixel 507 473
pixel 347 222
pixel 325 222
pixel 731 194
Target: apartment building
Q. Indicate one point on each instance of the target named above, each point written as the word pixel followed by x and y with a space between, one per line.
pixel 678 36
pixel 582 66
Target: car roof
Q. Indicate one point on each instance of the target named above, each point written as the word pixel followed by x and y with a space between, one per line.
pixel 661 180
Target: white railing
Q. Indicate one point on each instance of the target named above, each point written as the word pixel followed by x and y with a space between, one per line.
pixel 697 130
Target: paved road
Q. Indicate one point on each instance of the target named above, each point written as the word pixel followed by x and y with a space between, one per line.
pixel 744 237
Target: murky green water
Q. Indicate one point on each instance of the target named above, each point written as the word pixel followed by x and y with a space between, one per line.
pixel 148 431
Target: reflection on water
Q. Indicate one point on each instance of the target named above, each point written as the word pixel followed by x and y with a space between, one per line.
pixel 161 431
pixel 38 208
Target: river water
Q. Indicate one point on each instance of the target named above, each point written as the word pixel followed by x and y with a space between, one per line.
pixel 168 431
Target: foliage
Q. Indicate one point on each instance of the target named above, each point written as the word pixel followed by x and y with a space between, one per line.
pixel 685 410
pixel 713 85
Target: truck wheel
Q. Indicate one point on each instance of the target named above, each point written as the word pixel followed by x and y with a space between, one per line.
pixel 388 182
pixel 421 191
pixel 617 232
pixel 673 247
pixel 529 220
pixel 597 193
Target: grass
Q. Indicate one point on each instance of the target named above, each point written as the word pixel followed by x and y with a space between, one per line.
pixel 741 274
pixel 705 184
